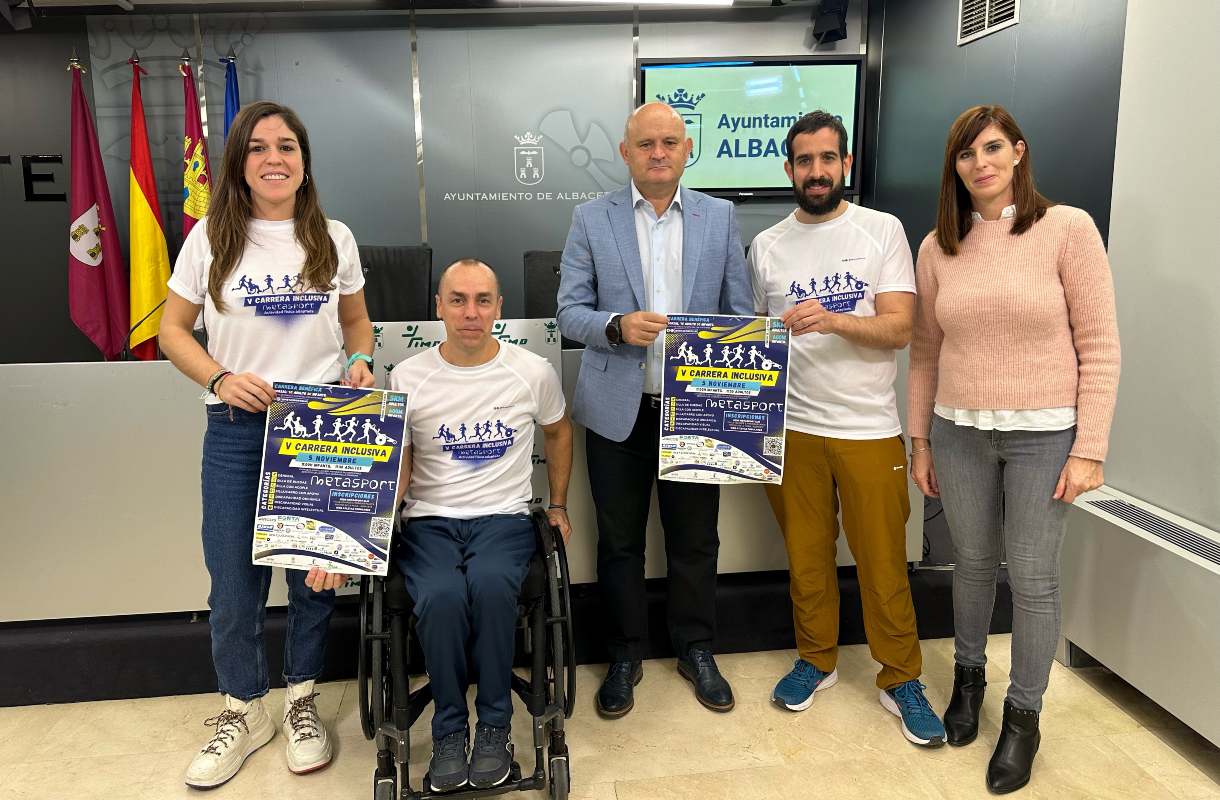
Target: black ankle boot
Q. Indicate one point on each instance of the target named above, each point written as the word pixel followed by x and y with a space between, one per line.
pixel 962 715
pixel 1013 758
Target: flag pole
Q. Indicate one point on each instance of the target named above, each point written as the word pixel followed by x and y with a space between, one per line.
pixel 232 101
pixel 202 84
pixel 128 355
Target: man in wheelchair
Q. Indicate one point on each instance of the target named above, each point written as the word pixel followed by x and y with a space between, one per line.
pixel 472 404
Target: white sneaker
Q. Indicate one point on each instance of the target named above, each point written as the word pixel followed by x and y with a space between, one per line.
pixel 241 729
pixel 308 745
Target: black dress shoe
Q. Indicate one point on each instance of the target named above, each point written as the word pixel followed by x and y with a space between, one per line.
pixel 711 688
pixel 617 695
pixel 962 715
pixel 1013 759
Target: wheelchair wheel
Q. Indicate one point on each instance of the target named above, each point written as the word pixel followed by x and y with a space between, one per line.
pixel 561 782
pixel 565 644
pixel 385 787
pixel 362 661
pixel 371 666
pixel 379 656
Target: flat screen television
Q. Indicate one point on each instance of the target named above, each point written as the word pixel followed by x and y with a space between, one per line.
pixel 738 112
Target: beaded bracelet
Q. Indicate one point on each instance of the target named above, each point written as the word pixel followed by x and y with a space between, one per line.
pixel 216 378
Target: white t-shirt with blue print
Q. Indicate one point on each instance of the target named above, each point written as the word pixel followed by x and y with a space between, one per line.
pixel 273 325
pixel 836 388
pixel 471 430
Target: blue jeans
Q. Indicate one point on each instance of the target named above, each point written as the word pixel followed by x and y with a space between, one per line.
pixel 996 488
pixel 232 461
pixel 465 578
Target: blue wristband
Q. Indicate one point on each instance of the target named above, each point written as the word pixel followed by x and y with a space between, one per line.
pixel 354 357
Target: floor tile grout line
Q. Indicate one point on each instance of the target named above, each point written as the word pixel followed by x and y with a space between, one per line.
pixel 1139 767
pixel 927 783
pixel 1189 761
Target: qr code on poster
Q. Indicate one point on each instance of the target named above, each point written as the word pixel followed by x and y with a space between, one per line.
pixel 773 446
pixel 380 528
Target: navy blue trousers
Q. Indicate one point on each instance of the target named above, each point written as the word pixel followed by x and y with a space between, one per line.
pixel 465 578
pixel 232 463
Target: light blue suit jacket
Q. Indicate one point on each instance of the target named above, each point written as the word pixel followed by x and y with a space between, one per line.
pixel 601 275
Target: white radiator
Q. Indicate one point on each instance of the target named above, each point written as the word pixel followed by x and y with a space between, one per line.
pixel 1141 595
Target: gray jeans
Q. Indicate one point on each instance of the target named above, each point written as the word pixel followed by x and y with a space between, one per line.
pixel 996 488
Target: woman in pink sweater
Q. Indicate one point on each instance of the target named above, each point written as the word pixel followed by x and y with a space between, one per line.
pixel 1014 369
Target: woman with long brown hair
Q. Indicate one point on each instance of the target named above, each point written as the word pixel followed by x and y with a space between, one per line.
pixel 281 292
pixel 1014 372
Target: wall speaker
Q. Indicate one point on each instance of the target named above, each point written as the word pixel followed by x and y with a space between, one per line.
pixel 830 21
pixel 16 14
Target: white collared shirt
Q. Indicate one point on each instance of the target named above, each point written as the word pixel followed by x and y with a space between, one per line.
pixel 660 242
pixel 1036 419
pixel 1008 213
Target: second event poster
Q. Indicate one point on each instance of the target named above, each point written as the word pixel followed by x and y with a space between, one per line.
pixel 329 478
pixel 724 398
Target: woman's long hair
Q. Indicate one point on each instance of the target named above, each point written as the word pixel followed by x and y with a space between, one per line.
pixel 953 220
pixel 229 213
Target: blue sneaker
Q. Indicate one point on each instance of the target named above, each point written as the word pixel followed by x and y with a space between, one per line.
pixel 920 724
pixel 795 690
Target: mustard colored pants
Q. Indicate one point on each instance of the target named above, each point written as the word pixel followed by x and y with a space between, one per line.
pixel 867 480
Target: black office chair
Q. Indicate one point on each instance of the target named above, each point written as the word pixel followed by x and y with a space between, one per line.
pixel 388 706
pixel 397 282
pixel 541 286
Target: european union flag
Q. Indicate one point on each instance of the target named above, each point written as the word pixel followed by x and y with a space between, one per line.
pixel 232 97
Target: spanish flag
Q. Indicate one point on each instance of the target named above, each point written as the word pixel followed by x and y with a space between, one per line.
pixel 149 254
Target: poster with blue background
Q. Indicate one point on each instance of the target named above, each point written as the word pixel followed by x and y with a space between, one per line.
pixel 723 399
pixel 330 474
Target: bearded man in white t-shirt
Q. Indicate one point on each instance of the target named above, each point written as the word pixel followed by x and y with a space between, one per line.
pixel 841 278
pixel 472 405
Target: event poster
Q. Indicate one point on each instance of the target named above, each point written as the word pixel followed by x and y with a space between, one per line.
pixel 723 399
pixel 330 475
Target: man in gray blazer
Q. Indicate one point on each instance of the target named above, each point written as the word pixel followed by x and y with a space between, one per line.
pixel 633 256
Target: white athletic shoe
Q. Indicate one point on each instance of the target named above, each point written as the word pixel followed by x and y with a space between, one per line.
pixel 241 729
pixel 308 745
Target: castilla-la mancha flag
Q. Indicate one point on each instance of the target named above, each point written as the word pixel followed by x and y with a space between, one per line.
pixel 149 254
pixel 97 276
pixel 196 173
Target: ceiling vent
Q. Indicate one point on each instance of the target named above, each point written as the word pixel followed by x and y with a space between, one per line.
pixel 978 18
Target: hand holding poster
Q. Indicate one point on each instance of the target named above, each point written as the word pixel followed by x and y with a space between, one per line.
pixel 330 475
pixel 723 399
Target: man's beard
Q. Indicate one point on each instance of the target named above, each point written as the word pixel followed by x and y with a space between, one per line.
pixel 827 204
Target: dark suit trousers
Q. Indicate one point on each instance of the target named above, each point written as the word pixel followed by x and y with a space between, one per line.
pixel 621 475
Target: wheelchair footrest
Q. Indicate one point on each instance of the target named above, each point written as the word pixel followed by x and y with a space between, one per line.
pixel 513 783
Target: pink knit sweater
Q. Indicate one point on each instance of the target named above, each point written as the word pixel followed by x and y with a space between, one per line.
pixel 1018 322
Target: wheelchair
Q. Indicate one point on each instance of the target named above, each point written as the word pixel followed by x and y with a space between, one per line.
pixel 388 705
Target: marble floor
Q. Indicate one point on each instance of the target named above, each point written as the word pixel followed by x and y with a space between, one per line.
pixel 1101 739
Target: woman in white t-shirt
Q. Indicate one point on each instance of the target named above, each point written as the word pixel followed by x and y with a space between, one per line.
pixel 281 292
